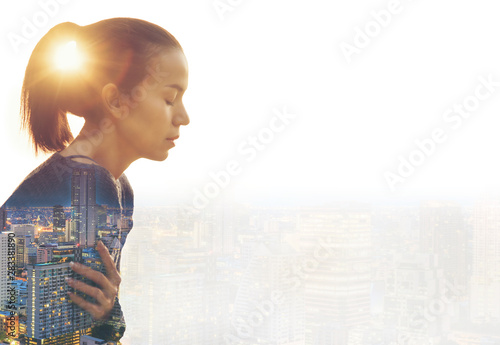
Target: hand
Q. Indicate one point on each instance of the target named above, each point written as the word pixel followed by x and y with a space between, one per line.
pixel 105 296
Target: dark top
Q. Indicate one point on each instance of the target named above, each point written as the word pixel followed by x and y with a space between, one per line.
pixel 50 184
pixel 53 183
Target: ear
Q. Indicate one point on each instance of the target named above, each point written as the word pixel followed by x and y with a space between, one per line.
pixel 113 102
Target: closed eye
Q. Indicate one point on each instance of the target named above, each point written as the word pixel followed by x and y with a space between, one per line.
pixel 169 103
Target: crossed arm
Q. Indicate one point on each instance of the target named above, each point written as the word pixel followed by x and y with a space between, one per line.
pixel 105 295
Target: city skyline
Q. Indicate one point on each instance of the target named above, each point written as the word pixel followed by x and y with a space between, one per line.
pixel 267 268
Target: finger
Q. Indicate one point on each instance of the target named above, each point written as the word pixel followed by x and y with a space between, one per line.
pixel 97 277
pixel 125 341
pixel 107 260
pixel 89 290
pixel 94 310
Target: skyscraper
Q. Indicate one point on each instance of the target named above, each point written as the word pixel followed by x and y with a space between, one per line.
pixel 269 305
pixel 21 251
pixel 337 243
pixel 442 232
pixel 24 230
pixel 485 279
pixel 83 207
pixel 59 218
pixel 3 218
pixel 413 288
pixel 4 259
pixel 52 319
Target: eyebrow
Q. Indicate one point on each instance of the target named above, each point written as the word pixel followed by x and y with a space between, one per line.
pixel 175 86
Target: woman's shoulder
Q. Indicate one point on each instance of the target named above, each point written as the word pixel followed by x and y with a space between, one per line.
pixel 46 185
pixel 127 191
pixel 51 184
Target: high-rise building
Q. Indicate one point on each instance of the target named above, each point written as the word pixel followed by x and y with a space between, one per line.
pixel 24 230
pixel 216 228
pixel 269 305
pixel 68 229
pixel 9 323
pixel 88 340
pixel 3 218
pixel 5 239
pixel 415 286
pixel 32 249
pixel 485 278
pixel 59 218
pixel 21 251
pixel 21 293
pixel 336 242
pixel 83 207
pixel 101 214
pixel 44 253
pixel 47 237
pixel 442 232
pixel 224 229
pixel 52 317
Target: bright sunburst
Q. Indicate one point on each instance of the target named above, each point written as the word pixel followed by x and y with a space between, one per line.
pixel 68 57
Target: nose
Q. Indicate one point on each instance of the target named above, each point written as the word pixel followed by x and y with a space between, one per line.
pixel 181 117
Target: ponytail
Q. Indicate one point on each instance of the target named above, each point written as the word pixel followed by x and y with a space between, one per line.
pixel 43 111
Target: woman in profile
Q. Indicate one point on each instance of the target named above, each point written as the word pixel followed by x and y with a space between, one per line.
pixel 126 78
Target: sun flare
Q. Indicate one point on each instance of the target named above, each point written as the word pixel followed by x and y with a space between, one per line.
pixel 68 57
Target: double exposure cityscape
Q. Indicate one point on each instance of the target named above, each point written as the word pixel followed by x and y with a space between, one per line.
pixel 231 273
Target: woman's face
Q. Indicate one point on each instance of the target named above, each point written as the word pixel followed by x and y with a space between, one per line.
pixel 154 111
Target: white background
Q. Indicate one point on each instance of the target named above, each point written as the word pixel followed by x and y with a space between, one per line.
pixel 352 121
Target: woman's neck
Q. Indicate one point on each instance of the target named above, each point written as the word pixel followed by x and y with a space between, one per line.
pixel 103 147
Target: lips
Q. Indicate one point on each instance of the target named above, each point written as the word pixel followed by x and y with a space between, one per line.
pixel 173 138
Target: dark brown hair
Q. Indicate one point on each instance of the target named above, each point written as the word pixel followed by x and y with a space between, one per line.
pixel 117 50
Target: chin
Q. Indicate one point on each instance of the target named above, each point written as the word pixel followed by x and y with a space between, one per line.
pixel 160 157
